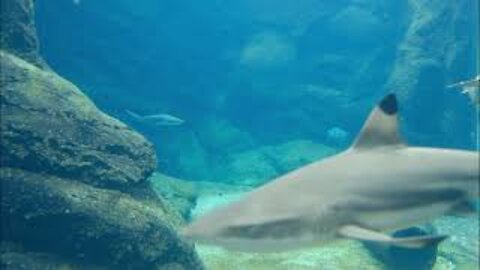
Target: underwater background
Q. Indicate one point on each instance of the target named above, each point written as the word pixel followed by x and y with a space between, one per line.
pixel 262 87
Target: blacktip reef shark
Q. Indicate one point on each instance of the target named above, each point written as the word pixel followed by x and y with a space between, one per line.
pixel 470 88
pixel 156 119
pixel 379 185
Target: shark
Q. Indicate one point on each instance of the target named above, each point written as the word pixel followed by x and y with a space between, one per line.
pixel 377 186
pixel 156 119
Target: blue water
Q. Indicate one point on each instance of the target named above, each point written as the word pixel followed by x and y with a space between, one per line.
pixel 262 84
pixel 274 71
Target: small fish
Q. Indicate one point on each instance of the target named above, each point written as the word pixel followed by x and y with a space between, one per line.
pixel 470 88
pixel 156 119
pixel 378 185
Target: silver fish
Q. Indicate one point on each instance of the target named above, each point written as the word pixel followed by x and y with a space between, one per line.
pixel 156 119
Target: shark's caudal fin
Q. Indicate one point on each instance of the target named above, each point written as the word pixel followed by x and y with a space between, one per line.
pixel 362 234
pixel 134 115
pixel 381 127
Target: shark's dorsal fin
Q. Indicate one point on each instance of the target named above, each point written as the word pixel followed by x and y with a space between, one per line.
pixel 381 127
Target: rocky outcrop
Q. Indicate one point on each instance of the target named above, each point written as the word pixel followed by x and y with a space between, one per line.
pixel 49 126
pixel 74 179
pixel 435 51
pixel 19 34
pixel 18 260
pixel 82 222
pixel 257 166
pixel 179 193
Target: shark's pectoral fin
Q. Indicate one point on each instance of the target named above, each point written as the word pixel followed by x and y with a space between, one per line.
pixel 362 234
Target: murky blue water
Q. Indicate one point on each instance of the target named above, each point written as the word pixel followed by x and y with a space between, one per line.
pixel 265 86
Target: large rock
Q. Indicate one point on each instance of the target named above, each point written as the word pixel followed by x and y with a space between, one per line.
pixel 96 226
pixel 436 51
pixel 19 34
pixel 259 165
pixel 13 257
pixel 49 126
pixel 179 193
pixel 74 180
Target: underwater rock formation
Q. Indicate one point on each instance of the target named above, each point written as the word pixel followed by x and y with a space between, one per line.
pixel 257 166
pixel 75 178
pixel 49 126
pixel 12 258
pixel 435 51
pixel 180 194
pixel 95 225
pixel 19 34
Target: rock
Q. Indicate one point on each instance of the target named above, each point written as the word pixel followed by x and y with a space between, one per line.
pixel 295 154
pixel 221 137
pixel 211 195
pixel 74 183
pixel 183 154
pixel 256 166
pixel 268 50
pixel 433 48
pixel 19 34
pixel 177 192
pixel 19 260
pixel 49 126
pixel 192 199
pixel 355 22
pixel 250 167
pixel 96 226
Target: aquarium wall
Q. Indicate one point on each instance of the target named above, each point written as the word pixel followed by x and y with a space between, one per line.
pixel 257 80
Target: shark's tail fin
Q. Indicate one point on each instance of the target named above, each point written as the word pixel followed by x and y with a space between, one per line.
pixel 134 115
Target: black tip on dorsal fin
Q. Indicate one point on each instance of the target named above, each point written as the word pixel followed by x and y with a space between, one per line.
pixel 389 104
pixel 381 127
